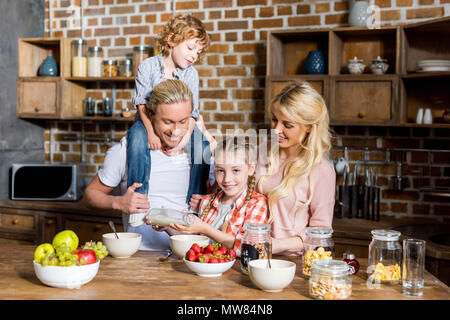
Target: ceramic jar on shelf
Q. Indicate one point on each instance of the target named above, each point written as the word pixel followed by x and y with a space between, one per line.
pixel 379 66
pixel 356 66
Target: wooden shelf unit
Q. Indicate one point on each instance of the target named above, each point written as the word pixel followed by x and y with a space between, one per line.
pixel 58 97
pixel 391 99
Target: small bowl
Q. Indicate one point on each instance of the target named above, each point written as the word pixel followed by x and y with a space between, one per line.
pixel 181 243
pixel 209 269
pixel 124 247
pixel 272 279
pixel 66 277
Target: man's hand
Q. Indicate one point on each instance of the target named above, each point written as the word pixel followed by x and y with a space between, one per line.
pixel 134 202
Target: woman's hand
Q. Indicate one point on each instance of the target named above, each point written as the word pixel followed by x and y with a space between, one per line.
pixel 196 227
pixel 194 202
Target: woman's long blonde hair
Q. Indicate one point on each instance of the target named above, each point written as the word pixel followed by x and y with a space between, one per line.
pixel 305 106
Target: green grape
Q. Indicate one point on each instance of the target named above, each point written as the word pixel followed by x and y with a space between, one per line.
pixel 99 245
pixel 54 262
pixel 62 263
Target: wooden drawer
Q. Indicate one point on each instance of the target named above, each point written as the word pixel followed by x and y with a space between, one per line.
pixel 274 85
pixel 14 222
pixel 87 230
pixel 364 100
pixel 38 97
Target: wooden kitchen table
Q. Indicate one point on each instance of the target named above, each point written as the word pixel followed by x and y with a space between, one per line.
pixel 144 276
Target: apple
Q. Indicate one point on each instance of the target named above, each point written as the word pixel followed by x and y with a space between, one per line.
pixel 88 255
pixel 42 251
pixel 67 237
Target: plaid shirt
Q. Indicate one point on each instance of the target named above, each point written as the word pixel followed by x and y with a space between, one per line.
pixel 255 211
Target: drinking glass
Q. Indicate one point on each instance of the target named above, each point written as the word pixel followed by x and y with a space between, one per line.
pixel 413 267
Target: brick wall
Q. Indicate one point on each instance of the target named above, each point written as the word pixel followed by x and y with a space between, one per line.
pixel 232 74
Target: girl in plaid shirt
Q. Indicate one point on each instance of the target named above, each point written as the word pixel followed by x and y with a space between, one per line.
pixel 234 201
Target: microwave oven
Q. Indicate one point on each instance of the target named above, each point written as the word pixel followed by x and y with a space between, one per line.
pixel 40 181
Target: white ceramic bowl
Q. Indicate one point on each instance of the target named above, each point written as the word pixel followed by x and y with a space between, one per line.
pixel 66 277
pixel 124 247
pixel 181 243
pixel 272 279
pixel 209 269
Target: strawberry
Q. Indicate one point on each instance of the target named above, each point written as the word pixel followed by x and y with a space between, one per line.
pixel 221 260
pixel 223 249
pixel 204 258
pixel 202 249
pixel 189 253
pixel 226 259
pixel 231 253
pixel 217 253
pixel 213 260
pixel 209 248
pixel 192 257
pixel 196 248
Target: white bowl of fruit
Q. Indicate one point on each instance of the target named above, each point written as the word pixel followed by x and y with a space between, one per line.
pixel 63 265
pixel 211 260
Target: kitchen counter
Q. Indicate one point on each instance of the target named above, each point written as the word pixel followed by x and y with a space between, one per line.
pixel 143 276
pixel 421 228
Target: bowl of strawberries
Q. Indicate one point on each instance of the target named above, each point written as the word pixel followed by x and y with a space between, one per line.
pixel 211 260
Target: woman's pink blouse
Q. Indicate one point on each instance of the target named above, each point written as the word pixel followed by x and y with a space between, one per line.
pixel 290 216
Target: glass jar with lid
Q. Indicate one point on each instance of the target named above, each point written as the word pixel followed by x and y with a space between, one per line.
pixel 256 244
pixel 126 68
pixel 317 245
pixel 140 53
pixel 79 58
pixel 330 280
pixel 95 58
pixel 385 257
pixel 109 68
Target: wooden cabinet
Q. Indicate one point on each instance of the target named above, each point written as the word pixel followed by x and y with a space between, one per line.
pixel 58 97
pixel 366 99
pixel 90 228
pixel 21 225
pixel 370 98
pixel 37 222
pixel 46 97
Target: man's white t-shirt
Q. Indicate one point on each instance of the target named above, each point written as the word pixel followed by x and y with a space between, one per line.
pixel 168 187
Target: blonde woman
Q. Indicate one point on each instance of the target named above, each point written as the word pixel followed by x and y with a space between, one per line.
pixel 296 177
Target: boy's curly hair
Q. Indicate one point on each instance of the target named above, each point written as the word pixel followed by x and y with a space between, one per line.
pixel 182 27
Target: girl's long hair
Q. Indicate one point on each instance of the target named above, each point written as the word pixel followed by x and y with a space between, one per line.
pixel 236 145
pixel 305 106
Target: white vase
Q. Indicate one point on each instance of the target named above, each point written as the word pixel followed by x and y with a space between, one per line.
pixel 358 13
pixel 419 116
pixel 427 116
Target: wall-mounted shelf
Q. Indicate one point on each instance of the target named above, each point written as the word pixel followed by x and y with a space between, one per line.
pixel 392 99
pixel 103 79
pixel 58 97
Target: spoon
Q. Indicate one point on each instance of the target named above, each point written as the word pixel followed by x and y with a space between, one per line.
pixel 266 245
pixel 169 253
pixel 111 224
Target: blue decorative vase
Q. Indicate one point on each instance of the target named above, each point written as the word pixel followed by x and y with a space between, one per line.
pixel 48 68
pixel 315 62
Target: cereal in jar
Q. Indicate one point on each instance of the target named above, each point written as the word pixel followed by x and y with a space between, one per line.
pixel 255 244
